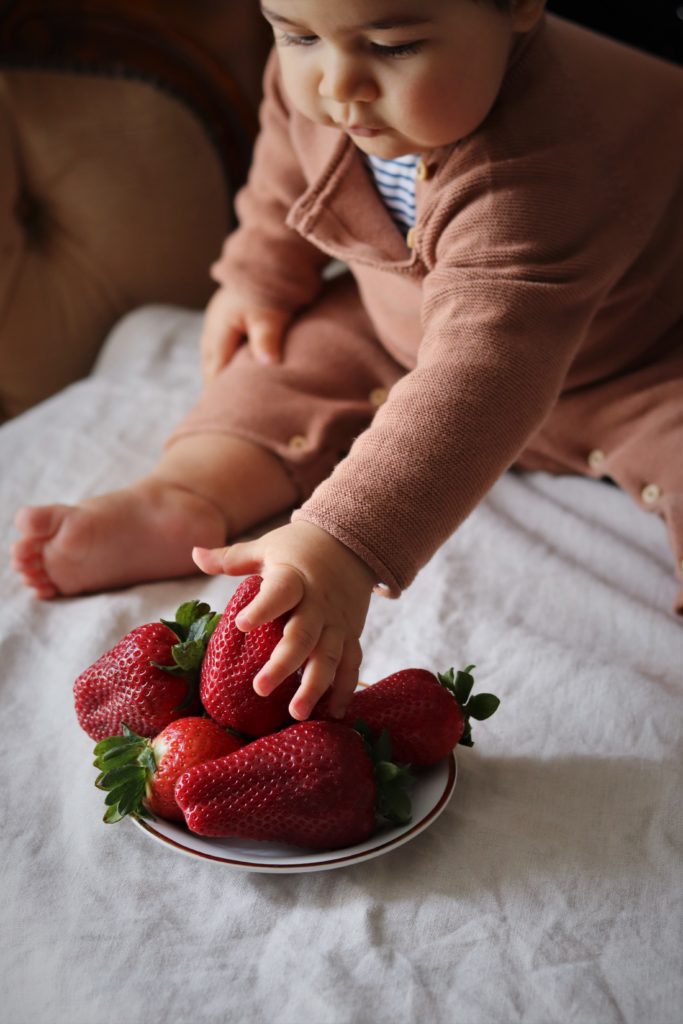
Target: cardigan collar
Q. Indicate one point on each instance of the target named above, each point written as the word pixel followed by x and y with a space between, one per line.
pixel 341 210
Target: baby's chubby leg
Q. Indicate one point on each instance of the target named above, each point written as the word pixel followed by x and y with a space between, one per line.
pixel 205 488
pixel 212 484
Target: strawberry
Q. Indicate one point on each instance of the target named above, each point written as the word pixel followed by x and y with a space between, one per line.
pixel 313 784
pixel 233 659
pixel 148 678
pixel 426 715
pixel 139 774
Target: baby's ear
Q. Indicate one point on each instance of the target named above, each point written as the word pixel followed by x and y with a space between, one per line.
pixel 526 14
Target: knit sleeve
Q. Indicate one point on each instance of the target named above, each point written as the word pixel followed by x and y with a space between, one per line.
pixel 499 334
pixel 263 256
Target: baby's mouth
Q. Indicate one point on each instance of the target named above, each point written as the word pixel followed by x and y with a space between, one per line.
pixel 362 131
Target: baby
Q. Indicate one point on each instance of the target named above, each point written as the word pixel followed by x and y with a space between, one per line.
pixel 505 191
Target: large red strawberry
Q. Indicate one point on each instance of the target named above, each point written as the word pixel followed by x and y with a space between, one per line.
pixel 139 774
pixel 233 659
pixel 148 678
pixel 312 784
pixel 426 715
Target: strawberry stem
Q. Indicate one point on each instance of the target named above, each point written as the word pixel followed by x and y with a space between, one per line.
pixel 479 707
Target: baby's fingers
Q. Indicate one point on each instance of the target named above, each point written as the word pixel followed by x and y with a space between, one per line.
pixel 346 678
pixel 334 663
pixel 281 590
pixel 213 561
pixel 300 637
pixel 218 345
pixel 266 330
pixel 234 560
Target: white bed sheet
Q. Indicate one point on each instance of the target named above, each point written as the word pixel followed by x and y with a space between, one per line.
pixel 549 890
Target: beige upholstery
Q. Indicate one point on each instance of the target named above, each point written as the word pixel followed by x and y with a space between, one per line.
pixel 111 197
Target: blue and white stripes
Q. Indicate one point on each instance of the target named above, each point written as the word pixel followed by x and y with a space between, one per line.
pixel 395 181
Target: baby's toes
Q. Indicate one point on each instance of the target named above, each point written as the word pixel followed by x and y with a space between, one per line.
pixel 40 522
pixel 27 553
pixel 39 582
pixel 27 558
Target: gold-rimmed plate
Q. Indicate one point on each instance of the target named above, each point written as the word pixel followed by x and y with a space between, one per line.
pixel 430 794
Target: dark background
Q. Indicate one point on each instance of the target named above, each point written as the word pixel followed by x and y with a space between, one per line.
pixel 653 25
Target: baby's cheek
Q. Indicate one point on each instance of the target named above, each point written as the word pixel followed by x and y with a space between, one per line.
pixel 425 114
pixel 302 90
pixel 436 121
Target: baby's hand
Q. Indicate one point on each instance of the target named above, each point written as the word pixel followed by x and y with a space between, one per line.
pixel 325 587
pixel 228 320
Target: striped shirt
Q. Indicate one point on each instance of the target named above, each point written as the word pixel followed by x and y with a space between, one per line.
pixel 395 181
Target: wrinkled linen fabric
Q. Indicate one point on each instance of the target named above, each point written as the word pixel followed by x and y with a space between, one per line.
pixel 549 889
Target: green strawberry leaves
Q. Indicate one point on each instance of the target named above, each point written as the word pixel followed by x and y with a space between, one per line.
pixel 126 764
pixel 393 802
pixel 482 706
pixel 194 624
pixel 479 707
pixel 189 619
pixel 459 683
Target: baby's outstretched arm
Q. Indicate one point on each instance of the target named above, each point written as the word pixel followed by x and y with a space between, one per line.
pixel 326 589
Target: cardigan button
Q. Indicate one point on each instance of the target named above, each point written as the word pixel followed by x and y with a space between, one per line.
pixel 410 238
pixel 650 494
pixel 378 396
pixel 297 442
pixel 596 458
pixel 423 170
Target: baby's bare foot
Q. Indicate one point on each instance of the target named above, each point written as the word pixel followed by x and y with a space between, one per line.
pixel 142 533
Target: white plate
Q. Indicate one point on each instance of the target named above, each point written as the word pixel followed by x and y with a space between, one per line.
pixel 430 793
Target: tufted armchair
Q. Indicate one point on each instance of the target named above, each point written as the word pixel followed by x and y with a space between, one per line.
pixel 125 130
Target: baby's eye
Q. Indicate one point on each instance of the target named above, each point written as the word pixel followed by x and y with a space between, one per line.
pixel 291 40
pixel 401 50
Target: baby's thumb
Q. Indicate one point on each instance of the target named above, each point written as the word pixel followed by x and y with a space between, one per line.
pixel 233 560
pixel 266 333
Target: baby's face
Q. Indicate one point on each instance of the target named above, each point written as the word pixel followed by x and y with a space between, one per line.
pixel 400 76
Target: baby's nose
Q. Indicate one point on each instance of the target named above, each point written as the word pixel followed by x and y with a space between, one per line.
pixel 345 80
